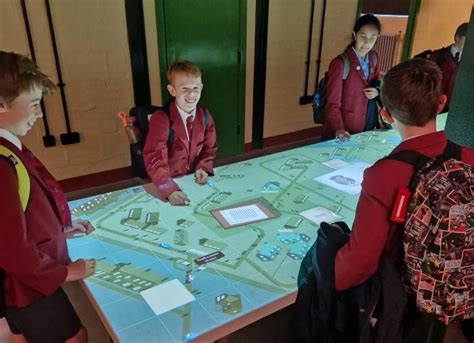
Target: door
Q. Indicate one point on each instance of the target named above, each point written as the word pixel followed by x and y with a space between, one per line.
pixel 211 34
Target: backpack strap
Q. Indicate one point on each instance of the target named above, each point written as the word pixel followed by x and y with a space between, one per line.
pixel 166 110
pixel 24 185
pixel 410 157
pixel 347 66
pixel 206 117
pixel 420 161
pixel 413 158
pixel 452 150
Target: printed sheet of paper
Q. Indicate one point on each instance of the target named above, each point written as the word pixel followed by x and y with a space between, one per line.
pixel 319 214
pixel 167 296
pixel 243 214
pixel 347 179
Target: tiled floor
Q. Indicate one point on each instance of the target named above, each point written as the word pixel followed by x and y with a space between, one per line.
pixel 272 329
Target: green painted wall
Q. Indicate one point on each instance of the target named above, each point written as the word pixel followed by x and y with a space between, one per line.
pixel 460 122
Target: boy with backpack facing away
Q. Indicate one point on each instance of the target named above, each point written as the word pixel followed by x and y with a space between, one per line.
pixel 193 145
pixel 448 59
pixel 412 97
pixel 34 220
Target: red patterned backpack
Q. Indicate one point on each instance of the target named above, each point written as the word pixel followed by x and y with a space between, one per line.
pixel 438 238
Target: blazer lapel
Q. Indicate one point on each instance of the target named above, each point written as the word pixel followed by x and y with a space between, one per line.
pixel 178 126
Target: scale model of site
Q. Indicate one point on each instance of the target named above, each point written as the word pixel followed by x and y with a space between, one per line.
pixel 140 242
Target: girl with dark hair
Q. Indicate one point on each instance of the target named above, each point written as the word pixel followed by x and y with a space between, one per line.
pixel 350 105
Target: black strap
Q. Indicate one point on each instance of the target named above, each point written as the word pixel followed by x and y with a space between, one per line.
pixel 420 161
pixel 142 113
pixel 452 150
pixel 414 158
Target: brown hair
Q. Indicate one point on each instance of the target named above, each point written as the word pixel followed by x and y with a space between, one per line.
pixel 185 67
pixel 411 91
pixel 461 31
pixel 18 74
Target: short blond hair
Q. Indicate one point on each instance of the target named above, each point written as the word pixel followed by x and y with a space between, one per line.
pixel 18 73
pixel 183 67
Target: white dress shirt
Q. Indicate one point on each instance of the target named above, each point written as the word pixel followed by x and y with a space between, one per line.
pixel 11 138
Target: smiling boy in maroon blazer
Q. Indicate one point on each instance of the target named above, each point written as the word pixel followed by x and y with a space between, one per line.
pixel 193 144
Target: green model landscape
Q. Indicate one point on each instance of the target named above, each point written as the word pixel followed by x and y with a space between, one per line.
pixel 261 261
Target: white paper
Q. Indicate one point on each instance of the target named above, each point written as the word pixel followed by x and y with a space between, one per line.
pixel 320 214
pixel 336 164
pixel 167 296
pixel 346 179
pixel 243 214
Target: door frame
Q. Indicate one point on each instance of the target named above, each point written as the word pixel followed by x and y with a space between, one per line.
pixel 410 30
pixel 161 35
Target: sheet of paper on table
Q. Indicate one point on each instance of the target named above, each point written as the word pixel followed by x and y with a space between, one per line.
pixel 167 296
pixel 320 214
pixel 347 179
pixel 243 214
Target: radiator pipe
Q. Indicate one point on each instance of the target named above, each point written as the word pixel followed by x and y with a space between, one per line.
pixel 69 137
pixel 306 99
pixel 48 139
pixel 320 50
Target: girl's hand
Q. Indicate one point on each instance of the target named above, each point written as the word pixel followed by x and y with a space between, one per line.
pixel 371 93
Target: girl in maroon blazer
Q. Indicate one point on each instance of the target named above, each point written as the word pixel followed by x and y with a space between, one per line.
pixel 348 108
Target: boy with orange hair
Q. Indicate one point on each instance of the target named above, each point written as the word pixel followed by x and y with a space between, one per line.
pixel 34 219
pixel 192 146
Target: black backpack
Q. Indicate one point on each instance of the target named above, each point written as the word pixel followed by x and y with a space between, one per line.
pixel 319 97
pixel 143 114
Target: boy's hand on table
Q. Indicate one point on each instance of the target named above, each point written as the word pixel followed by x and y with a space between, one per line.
pixel 200 176
pixel 343 135
pixel 80 269
pixel 178 198
pixel 79 228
